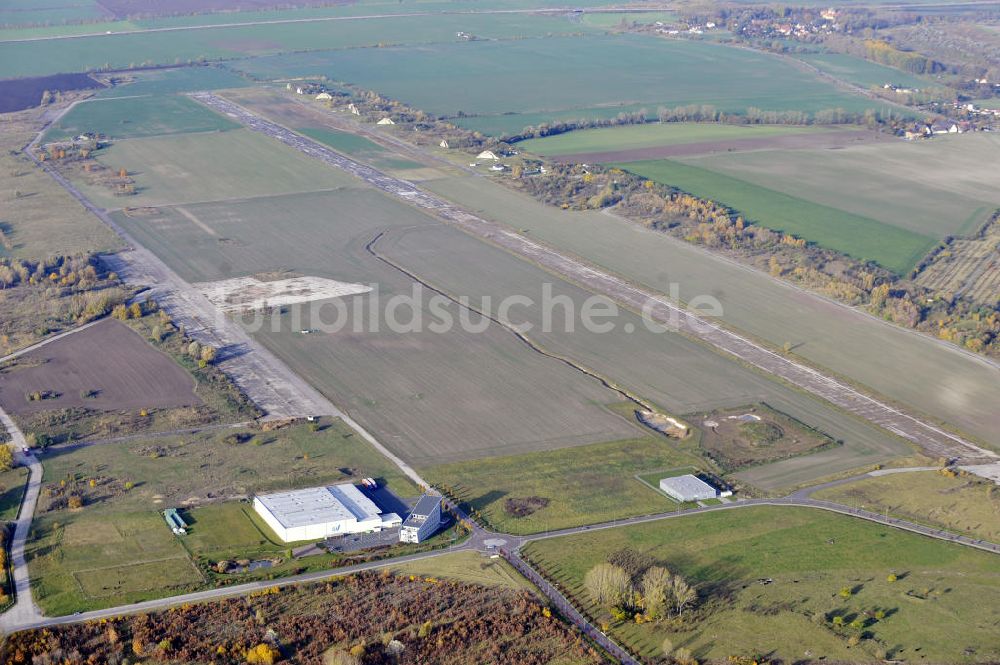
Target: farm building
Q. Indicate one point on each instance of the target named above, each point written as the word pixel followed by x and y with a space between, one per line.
pixel 423 520
pixel 321 512
pixel 385 121
pixel 324 97
pixel 175 521
pixel 688 488
pixel 487 154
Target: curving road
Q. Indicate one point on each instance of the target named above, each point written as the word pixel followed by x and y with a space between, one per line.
pixel 24 610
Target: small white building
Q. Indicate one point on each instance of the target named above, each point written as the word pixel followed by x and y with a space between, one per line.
pixel 688 488
pixel 324 97
pixel 443 143
pixel 321 512
pixel 423 520
pixel 385 121
pixel 487 154
pixel 352 107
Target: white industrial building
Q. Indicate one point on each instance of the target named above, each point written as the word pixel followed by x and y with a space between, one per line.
pixel 321 512
pixel 423 520
pixel 689 488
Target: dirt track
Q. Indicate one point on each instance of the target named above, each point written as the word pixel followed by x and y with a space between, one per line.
pixel 820 140
pixel 122 370
pixel 931 438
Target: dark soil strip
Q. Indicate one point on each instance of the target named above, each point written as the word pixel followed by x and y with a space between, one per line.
pixel 819 140
pixel 26 93
pixel 607 383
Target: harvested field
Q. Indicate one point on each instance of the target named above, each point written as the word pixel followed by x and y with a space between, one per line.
pixel 106 367
pixel 497 395
pixel 673 373
pixel 848 342
pixel 24 93
pixel 753 435
pixel 831 140
pixel 934 188
pixel 967 267
pixel 247 293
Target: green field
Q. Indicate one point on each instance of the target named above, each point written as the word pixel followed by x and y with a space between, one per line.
pixel 934 188
pixel 863 238
pixel 124 51
pixel 176 80
pixel 943 607
pixel 502 80
pixel 138 117
pixel 761 306
pixel 862 72
pixel 967 504
pixel 186 168
pixel 583 485
pixel 606 139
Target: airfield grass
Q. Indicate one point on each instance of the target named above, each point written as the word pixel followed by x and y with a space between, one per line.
pixel 360 147
pixel 861 237
pixel 186 168
pixel 847 342
pixel 223 463
pixel 967 504
pixel 583 485
pixel 85 560
pixel 129 51
pixel 933 188
pixel 469 567
pixel 39 218
pixel 500 80
pixel 943 607
pixel 625 137
pixel 499 396
pixel 93 556
pixel 138 117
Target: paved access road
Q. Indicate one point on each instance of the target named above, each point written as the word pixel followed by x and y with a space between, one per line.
pixel 934 440
pixel 24 610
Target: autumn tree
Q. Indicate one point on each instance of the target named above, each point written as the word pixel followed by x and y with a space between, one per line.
pixel 609 585
pixel 262 654
pixel 6 458
pixel 657 592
